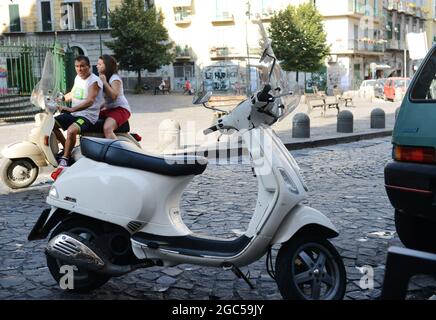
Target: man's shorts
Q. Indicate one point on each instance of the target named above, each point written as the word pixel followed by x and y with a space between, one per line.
pixel 66 119
pixel 119 114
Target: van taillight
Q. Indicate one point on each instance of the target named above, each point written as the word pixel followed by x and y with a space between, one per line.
pixel 414 154
pixel 55 174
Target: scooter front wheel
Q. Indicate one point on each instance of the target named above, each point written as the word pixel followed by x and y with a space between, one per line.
pixel 18 173
pixel 309 268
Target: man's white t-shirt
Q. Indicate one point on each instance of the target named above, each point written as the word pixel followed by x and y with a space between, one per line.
pixel 80 94
pixel 121 100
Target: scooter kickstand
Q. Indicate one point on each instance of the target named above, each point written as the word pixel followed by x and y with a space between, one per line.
pixel 239 274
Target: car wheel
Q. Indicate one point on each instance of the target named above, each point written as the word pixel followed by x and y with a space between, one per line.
pixel 416 232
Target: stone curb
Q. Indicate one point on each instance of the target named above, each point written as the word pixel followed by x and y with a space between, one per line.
pixel 309 143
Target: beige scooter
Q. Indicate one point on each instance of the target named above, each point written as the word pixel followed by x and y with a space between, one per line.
pixel 22 161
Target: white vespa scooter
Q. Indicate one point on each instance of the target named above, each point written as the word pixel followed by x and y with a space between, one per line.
pixel 117 209
pixel 23 160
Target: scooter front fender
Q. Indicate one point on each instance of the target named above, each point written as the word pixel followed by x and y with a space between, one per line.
pixel 304 217
pixel 25 149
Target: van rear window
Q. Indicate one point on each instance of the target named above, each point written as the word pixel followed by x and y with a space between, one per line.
pixel 424 88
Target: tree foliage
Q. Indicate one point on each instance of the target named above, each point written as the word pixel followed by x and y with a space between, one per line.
pixel 298 38
pixel 141 41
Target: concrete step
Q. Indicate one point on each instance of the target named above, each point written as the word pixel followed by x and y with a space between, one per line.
pixel 26 111
pixel 10 100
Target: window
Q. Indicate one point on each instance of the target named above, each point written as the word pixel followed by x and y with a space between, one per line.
pixel 46 16
pixel 14 18
pixel 102 15
pixel 71 15
pixel 424 87
pixel 398 31
pixel 183 69
pixel 222 9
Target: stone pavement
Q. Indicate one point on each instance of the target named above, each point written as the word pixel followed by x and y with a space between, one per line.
pixel 345 182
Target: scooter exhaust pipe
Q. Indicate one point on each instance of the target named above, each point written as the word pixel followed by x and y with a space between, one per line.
pixel 72 249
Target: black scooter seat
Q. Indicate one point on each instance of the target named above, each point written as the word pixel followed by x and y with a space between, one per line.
pixel 98 127
pixel 126 154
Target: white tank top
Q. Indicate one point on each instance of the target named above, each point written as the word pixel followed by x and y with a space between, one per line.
pixel 121 100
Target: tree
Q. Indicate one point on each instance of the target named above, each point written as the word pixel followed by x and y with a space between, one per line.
pixel 141 41
pixel 298 38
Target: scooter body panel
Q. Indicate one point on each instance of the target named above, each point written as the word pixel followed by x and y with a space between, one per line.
pixel 296 219
pixel 25 149
pixel 122 195
pixel 280 189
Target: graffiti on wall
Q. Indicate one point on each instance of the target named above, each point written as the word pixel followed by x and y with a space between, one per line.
pixel 220 78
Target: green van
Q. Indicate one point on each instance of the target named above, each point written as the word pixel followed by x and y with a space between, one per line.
pixel 410 178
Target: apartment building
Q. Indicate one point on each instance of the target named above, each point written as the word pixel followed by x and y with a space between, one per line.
pixel 217 43
pixel 83 25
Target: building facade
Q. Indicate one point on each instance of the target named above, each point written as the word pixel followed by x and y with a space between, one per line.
pixel 217 43
pixel 81 25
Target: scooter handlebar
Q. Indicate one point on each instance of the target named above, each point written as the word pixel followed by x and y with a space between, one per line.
pixel 210 129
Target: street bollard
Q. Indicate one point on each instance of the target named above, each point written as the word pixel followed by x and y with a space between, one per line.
pixel 396 113
pixel 301 126
pixel 345 122
pixel 378 119
pixel 169 135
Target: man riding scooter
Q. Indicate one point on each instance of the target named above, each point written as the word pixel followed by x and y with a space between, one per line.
pixel 23 160
pixel 86 98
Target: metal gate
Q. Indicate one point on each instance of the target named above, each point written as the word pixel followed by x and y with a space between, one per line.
pixel 21 65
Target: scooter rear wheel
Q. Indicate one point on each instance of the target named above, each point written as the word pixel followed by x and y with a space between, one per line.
pixel 18 173
pixel 83 280
pixel 309 268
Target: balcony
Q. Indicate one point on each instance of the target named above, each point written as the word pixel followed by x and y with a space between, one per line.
pixel 222 18
pixel 402 6
pixel 224 53
pixel 411 8
pixel 363 46
pixel 182 14
pixel 392 4
pixel 183 53
pixel 182 20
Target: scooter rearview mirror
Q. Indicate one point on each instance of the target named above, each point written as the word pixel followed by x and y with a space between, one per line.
pixel 202 97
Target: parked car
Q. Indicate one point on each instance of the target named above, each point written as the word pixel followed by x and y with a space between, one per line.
pixel 410 178
pixel 379 88
pixel 366 89
pixel 395 89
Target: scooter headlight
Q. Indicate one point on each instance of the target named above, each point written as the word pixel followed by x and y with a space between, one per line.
pixel 288 181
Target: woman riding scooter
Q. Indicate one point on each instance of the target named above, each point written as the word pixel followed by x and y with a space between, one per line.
pixel 116 110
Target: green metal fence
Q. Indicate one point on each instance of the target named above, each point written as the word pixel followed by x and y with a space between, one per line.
pixel 21 66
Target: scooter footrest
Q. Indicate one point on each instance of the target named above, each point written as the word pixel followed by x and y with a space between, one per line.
pixel 193 245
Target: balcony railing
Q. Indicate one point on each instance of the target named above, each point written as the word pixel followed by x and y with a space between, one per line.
pixel 224 53
pixel 181 19
pixel 402 6
pixel 224 16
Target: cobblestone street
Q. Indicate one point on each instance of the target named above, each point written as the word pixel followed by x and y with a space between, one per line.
pixel 345 183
